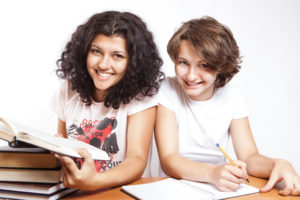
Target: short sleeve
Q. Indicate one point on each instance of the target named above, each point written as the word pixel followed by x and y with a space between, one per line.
pixel 59 100
pixel 239 105
pixel 166 93
pixel 140 104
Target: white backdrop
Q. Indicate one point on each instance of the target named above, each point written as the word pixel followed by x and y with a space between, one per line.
pixel 33 34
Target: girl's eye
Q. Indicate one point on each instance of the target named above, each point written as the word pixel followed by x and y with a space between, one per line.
pixel 95 51
pixel 118 56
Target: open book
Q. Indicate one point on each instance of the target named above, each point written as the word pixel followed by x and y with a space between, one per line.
pixel 15 133
pixel 182 189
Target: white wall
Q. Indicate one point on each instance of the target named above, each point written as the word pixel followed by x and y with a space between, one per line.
pixel 33 34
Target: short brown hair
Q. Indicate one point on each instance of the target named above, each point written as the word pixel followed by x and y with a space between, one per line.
pixel 214 42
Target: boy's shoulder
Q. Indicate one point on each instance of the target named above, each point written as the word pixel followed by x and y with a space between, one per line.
pixel 170 82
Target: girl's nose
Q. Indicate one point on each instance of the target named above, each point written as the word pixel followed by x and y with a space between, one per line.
pixel 104 63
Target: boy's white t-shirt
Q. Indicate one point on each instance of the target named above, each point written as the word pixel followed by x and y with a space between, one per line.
pixel 202 124
pixel 103 127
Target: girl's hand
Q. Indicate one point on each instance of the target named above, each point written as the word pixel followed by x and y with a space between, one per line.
pixel 78 178
pixel 283 170
pixel 228 178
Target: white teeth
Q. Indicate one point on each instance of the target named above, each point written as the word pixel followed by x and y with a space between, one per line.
pixel 104 74
pixel 193 83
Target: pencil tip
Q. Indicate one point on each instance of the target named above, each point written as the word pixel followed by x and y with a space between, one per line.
pixel 217 144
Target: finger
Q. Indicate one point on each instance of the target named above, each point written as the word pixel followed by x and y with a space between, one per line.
pixel 69 165
pixel 243 166
pixel 236 175
pixel 296 190
pixel 228 186
pixel 65 177
pixel 270 184
pixel 287 190
pixel 86 155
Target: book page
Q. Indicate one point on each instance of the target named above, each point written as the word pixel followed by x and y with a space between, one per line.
pixel 56 144
pixel 166 189
pixel 243 190
pixel 6 132
pixel 65 146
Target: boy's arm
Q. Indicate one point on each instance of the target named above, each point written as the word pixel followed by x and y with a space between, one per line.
pixel 174 165
pixel 259 165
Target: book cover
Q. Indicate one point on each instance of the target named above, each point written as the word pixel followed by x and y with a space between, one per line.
pixel 31 196
pixel 39 188
pixel 31 175
pixel 15 133
pixel 27 158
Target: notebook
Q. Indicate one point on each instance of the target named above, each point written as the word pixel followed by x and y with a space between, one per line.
pixel 182 189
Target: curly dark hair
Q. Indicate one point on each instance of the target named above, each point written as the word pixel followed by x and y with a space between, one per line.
pixel 214 42
pixel 143 75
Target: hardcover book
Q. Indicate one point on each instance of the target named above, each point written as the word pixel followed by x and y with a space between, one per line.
pixel 27 158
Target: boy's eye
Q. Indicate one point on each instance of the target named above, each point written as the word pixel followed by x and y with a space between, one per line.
pixel 181 62
pixel 203 65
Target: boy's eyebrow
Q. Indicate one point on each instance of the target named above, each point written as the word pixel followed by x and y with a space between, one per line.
pixel 181 58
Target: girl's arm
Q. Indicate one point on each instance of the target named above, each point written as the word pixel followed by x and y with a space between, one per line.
pixel 139 134
pixel 259 165
pixel 61 129
pixel 225 177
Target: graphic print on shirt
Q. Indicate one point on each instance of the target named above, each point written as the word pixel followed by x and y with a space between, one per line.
pixel 99 134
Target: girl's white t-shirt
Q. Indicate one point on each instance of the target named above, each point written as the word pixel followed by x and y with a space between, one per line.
pixel 202 124
pixel 96 124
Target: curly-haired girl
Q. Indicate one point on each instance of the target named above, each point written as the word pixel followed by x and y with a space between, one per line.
pixel 198 109
pixel 111 70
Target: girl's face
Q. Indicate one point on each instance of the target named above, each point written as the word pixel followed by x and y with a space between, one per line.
pixel 192 73
pixel 106 63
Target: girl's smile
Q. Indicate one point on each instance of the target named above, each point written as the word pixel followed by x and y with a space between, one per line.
pixel 106 63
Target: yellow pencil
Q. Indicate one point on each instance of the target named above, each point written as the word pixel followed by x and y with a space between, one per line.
pixel 228 157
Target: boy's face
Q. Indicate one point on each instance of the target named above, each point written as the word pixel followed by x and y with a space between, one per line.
pixel 193 74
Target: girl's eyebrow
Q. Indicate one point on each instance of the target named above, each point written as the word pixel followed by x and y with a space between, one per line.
pixel 94 45
pixel 116 51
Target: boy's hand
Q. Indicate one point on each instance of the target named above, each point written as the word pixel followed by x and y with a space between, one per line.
pixel 283 170
pixel 228 178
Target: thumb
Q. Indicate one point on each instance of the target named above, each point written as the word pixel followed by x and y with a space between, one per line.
pixel 84 154
pixel 270 184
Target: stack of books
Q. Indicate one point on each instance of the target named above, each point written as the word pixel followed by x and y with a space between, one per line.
pixel 35 173
pixel 30 173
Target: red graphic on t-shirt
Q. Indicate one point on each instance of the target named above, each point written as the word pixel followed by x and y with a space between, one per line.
pixel 98 134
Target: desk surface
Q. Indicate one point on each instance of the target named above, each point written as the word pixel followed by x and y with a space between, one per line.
pixel 116 193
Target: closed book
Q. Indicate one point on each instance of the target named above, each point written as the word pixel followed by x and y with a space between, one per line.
pixel 33 196
pixel 27 158
pixel 39 188
pixel 31 175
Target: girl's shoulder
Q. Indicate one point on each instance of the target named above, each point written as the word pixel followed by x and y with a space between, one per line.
pixel 66 93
